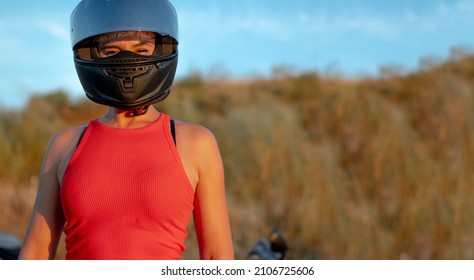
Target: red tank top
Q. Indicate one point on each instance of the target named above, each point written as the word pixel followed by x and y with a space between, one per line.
pixel 125 194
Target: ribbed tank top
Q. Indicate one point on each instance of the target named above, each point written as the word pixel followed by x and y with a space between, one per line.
pixel 125 194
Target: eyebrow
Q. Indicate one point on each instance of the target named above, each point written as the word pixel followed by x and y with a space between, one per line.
pixel 112 44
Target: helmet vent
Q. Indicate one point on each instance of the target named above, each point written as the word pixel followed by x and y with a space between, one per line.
pixel 126 60
pixel 128 70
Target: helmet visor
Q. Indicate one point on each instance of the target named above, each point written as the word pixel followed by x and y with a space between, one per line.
pixel 143 43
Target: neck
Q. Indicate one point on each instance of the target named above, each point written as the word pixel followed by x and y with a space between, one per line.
pixel 128 119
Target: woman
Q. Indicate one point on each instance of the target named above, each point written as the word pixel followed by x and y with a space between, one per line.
pixel 125 185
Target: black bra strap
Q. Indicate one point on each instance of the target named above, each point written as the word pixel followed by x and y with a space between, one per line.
pixel 173 133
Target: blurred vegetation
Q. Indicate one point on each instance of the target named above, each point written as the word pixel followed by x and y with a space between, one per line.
pixel 369 168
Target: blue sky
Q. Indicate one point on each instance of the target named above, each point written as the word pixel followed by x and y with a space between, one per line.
pixel 244 38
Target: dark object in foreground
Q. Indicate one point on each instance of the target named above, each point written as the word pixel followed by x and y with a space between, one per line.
pixel 9 247
pixel 273 248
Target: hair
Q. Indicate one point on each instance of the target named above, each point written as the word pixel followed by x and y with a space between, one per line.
pixel 141 36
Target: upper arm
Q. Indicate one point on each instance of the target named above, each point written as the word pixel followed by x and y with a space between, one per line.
pixel 210 215
pixel 47 220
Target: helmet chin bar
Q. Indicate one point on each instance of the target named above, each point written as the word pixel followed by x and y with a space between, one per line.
pixel 127 76
pixel 129 84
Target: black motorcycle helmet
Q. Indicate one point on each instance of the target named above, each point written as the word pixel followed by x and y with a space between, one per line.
pixel 124 79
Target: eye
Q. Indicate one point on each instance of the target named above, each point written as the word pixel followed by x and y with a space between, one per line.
pixel 106 52
pixel 145 50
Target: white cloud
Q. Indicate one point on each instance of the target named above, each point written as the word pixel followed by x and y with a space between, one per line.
pixel 391 27
pixel 290 27
pixel 341 24
pixel 216 24
pixel 32 39
pixel 55 29
pixel 441 16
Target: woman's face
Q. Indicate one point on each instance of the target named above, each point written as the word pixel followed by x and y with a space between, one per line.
pixel 139 42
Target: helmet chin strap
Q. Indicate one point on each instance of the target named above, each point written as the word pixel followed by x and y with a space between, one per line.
pixel 140 111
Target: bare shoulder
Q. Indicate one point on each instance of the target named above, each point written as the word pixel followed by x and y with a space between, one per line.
pixel 66 138
pixel 199 152
pixel 194 134
pixel 61 147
